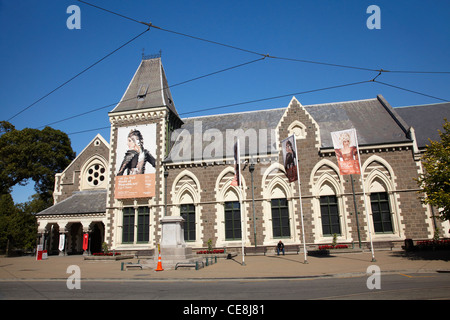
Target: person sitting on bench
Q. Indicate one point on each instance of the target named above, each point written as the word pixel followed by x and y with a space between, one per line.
pixel 280 247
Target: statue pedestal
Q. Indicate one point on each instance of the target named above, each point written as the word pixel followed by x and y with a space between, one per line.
pixel 173 248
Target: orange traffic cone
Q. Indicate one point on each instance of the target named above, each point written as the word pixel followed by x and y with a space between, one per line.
pixel 159 266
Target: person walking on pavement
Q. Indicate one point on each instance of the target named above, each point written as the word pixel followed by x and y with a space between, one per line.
pixel 280 247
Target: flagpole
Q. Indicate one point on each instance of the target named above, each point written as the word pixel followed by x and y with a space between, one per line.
pixel 301 207
pixel 238 160
pixel 364 196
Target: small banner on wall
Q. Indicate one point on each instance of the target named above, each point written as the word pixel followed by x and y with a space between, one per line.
pixel 62 239
pixel 85 241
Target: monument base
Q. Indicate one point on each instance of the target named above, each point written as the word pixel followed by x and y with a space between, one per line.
pixel 170 256
pixel 173 248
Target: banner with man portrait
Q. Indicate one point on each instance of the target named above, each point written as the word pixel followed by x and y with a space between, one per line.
pixel 135 167
pixel 289 148
pixel 345 145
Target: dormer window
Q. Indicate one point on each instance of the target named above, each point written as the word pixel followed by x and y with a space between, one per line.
pixel 142 92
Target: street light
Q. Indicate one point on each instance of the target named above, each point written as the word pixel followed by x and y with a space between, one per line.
pixel 251 168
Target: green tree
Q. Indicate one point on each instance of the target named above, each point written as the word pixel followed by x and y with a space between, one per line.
pixel 28 154
pixel 435 182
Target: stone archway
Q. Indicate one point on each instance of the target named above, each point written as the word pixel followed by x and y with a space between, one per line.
pixel 96 238
pixel 75 241
pixel 51 238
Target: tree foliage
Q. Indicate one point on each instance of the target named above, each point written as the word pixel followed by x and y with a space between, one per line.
pixel 435 181
pixel 28 154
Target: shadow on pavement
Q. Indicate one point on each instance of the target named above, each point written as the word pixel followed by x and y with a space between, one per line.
pixel 443 255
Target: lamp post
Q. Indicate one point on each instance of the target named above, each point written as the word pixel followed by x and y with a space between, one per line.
pixel 166 174
pixel 251 168
pixel 356 210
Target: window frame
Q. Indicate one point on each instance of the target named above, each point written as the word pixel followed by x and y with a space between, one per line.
pixel 143 225
pixel 230 218
pixel 381 221
pixel 187 211
pixel 327 217
pixel 128 221
pixel 282 213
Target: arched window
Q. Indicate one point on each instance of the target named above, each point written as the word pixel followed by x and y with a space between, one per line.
pixel 279 205
pixel 382 199
pixel 381 208
pixel 328 202
pixel 232 216
pixel 186 197
pixel 187 212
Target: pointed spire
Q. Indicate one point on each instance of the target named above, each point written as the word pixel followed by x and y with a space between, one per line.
pixel 148 89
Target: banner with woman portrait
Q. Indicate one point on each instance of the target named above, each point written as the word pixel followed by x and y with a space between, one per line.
pixel 345 145
pixel 135 167
pixel 289 148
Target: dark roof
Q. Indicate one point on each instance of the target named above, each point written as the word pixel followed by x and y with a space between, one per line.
pixel 209 125
pixel 148 89
pixel 81 202
pixel 375 121
pixel 426 120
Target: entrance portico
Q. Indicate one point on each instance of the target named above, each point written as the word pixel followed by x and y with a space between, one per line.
pixel 50 231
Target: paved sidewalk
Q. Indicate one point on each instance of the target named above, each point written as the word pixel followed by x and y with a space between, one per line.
pixel 288 266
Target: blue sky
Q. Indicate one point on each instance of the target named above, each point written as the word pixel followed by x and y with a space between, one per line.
pixel 39 53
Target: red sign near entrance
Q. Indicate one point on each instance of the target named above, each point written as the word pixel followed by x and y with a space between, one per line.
pixel 85 241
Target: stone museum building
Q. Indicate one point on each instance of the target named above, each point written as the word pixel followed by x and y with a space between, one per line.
pixel 158 164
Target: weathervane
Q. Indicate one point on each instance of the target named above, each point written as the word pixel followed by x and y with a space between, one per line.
pixel 151 56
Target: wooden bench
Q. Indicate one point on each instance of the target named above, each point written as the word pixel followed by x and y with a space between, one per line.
pixel 255 250
pixel 288 248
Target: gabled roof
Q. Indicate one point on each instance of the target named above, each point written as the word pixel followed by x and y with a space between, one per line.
pixel 426 120
pixel 97 137
pixel 81 202
pixel 148 89
pixel 209 125
pixel 375 121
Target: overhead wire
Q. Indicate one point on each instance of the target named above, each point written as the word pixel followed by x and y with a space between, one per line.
pixel 251 101
pixel 277 97
pixel 78 74
pixel 287 95
pixel 150 25
pixel 408 90
pixel 263 56
pixel 154 91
